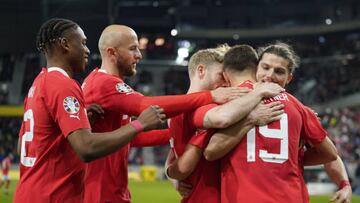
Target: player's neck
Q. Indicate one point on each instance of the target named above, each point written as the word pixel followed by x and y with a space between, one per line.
pixel 54 63
pixel 194 87
pixel 239 79
pixel 111 69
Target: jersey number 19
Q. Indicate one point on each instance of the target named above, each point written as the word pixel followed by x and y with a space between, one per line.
pixel 281 134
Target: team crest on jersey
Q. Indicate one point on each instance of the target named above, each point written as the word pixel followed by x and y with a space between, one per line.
pixel 71 105
pixel 123 88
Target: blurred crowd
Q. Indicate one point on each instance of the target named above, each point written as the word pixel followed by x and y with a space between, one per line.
pixel 343 126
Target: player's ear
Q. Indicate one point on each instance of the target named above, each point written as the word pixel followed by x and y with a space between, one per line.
pixel 63 43
pixel 226 77
pixel 110 51
pixel 201 70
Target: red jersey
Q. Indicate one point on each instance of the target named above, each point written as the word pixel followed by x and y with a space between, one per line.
pixel 264 166
pixel 50 170
pixel 5 165
pixel 205 179
pixel 106 179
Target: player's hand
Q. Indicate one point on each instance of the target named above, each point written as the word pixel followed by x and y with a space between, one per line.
pixel 152 118
pixel 343 195
pixel 263 114
pixel 184 189
pixel 268 89
pixel 222 95
pixel 94 112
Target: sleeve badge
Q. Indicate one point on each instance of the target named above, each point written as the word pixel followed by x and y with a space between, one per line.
pixel 71 105
pixel 123 88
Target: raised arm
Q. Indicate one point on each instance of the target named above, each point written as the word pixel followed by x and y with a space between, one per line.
pixel 90 146
pixel 227 114
pixel 224 140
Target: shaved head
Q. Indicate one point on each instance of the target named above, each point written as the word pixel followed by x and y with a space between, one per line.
pixel 114 35
pixel 119 49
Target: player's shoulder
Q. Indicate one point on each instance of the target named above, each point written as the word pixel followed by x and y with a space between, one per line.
pixel 57 77
pixel 57 81
pixel 100 75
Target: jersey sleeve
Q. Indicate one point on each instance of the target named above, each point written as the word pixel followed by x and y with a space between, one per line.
pixel 151 138
pixel 201 138
pixel 66 104
pixel 312 131
pixel 122 98
pixel 197 117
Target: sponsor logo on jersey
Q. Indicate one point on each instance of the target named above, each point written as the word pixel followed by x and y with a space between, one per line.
pixel 71 105
pixel 123 88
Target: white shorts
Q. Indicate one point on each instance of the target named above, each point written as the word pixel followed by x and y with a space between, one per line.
pixel 5 177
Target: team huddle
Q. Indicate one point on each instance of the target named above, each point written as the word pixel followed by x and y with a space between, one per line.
pixel 236 136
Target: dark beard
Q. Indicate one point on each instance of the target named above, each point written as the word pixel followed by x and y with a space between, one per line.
pixel 129 72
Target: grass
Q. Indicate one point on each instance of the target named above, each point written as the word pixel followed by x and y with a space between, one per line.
pixel 151 192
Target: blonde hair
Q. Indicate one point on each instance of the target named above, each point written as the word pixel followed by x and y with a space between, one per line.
pixel 207 56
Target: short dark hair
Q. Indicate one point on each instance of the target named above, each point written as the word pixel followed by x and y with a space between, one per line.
pixel 241 57
pixel 52 30
pixel 283 50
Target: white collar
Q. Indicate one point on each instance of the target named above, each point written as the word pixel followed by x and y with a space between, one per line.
pixel 51 69
pixel 102 70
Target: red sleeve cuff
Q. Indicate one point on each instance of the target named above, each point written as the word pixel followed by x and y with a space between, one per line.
pixel 199 115
pixel 201 138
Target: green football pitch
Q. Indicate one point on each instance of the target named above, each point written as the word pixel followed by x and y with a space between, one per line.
pixel 158 192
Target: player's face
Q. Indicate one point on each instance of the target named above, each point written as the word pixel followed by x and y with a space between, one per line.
pixel 214 77
pixel 78 52
pixel 128 55
pixel 273 68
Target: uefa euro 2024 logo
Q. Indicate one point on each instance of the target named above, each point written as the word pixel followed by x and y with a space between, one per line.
pixel 71 105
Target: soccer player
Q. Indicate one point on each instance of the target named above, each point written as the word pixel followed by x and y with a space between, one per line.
pixel 264 166
pixel 119 49
pixel 205 73
pixel 6 164
pixel 55 136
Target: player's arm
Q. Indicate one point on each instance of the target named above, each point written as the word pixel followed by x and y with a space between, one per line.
pixel 322 149
pixel 183 166
pixel 227 114
pixel 224 140
pixel 151 138
pixel 337 172
pixel 321 153
pixel 90 146
pixel 183 188
pixel 132 102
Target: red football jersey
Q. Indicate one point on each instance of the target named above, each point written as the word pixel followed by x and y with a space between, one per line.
pixel 50 170
pixel 205 179
pixel 106 179
pixel 264 166
pixel 6 163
